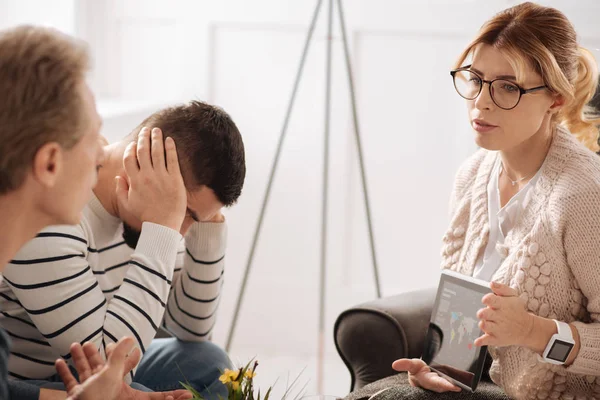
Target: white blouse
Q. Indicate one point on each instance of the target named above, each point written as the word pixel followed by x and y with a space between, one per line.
pixel 501 221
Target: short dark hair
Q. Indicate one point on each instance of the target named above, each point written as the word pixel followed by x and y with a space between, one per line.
pixel 209 147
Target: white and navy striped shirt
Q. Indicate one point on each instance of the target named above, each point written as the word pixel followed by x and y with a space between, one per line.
pixel 83 283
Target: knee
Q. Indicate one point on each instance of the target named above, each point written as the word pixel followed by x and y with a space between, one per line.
pixel 206 353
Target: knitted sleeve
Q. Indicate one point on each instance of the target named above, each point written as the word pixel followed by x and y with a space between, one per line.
pixel 581 236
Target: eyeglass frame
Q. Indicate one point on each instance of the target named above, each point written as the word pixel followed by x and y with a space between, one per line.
pixel 521 90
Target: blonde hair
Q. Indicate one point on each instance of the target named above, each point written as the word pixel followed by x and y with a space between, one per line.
pixel 542 38
pixel 41 72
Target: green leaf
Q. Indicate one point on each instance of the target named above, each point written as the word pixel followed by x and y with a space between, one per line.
pixel 268 393
pixel 189 387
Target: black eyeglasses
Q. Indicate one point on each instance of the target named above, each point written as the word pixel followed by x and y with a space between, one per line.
pixel 505 94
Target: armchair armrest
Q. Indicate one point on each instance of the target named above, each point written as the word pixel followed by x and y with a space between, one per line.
pixel 370 336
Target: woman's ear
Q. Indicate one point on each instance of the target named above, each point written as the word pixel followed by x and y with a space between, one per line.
pixel 47 164
pixel 559 102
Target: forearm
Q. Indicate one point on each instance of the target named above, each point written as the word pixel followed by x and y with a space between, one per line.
pixel 138 306
pixel 542 332
pixel 47 394
pixel 193 302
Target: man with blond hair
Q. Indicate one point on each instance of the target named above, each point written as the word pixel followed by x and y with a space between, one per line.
pixel 49 147
pixel 50 153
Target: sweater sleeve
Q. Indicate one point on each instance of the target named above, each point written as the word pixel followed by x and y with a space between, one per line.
pixel 13 389
pixel 53 281
pixel 21 390
pixel 194 298
pixel 581 238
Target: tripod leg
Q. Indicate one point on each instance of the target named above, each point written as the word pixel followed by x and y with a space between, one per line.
pixel 282 135
pixel 323 275
pixel 359 148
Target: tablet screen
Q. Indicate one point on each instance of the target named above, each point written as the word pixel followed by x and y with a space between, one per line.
pixel 449 346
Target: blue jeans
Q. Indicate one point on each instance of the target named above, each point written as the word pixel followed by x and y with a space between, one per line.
pixel 201 364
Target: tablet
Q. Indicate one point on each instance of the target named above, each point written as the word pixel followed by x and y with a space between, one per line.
pixel 449 346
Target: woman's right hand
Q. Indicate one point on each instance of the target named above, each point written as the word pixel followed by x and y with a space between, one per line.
pixel 419 375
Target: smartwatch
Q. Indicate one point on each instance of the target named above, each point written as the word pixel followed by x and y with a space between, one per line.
pixel 560 346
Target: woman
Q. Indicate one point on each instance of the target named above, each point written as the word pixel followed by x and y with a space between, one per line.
pixel 526 207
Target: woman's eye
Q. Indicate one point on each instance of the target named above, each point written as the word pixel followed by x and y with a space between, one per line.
pixel 510 88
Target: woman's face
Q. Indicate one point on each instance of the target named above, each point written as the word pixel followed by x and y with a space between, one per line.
pixel 498 129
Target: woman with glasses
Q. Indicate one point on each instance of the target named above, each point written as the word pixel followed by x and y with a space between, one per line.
pixel 526 207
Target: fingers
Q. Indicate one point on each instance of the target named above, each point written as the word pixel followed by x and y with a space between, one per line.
pixel 143 149
pixel 132 360
pixel 491 300
pixel 109 348
pixel 500 289
pixel 81 362
pixel 183 395
pixel 158 150
pixel 65 374
pixel 413 381
pixel 122 190
pixel 437 384
pixel 412 366
pixel 421 376
pixel 117 357
pixel 172 160
pixel 172 395
pixel 93 356
pixel 130 161
pixel 487 314
pixel 485 340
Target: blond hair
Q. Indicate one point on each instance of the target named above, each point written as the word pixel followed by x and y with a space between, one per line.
pixel 542 38
pixel 41 71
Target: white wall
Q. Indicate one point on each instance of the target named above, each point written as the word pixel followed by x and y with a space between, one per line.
pixel 57 13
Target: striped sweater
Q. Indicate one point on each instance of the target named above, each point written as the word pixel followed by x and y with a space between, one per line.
pixel 83 283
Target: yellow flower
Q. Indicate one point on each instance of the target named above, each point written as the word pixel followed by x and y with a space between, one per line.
pixel 235 385
pixel 250 374
pixel 229 376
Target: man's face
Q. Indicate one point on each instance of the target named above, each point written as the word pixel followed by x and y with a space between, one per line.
pixel 202 206
pixel 79 169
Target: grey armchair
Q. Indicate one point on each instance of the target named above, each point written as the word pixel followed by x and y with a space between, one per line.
pixel 370 336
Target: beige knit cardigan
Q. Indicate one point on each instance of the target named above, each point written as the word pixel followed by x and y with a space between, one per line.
pixel 551 256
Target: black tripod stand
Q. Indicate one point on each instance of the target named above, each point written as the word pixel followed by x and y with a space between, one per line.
pixel 321 351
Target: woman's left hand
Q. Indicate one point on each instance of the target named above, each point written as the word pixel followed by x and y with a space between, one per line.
pixel 505 321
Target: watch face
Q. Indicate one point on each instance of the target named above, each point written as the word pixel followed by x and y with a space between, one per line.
pixel 560 351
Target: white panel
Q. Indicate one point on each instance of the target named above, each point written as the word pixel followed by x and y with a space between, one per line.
pixel 150 63
pixel 254 72
pixel 416 134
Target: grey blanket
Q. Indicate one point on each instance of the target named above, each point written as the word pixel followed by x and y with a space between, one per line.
pixel 401 389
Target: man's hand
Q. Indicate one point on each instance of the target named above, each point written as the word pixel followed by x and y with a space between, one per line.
pixel 153 189
pixel 100 381
pixel 219 218
pixel 505 321
pixel 419 375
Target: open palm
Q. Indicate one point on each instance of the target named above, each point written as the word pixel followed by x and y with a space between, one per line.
pixel 104 381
